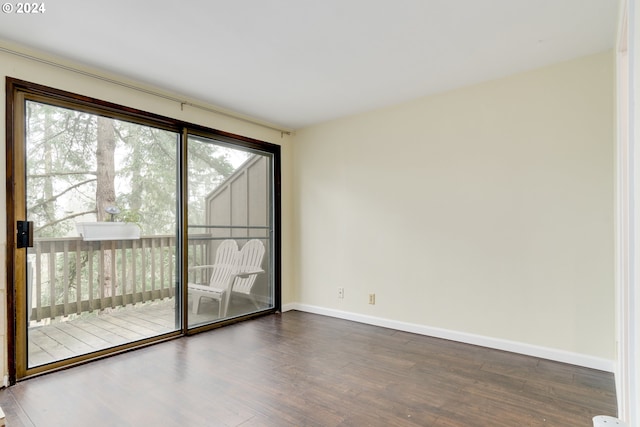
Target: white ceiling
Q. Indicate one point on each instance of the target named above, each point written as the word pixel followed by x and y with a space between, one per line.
pixel 299 62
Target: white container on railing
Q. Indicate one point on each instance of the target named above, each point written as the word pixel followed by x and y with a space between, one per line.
pixel 108 230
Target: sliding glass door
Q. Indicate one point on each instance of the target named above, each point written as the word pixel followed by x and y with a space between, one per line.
pixel 230 227
pixel 126 228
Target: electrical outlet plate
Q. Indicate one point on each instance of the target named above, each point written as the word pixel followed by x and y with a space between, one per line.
pixel 372 299
pixel 341 293
pixel 607 421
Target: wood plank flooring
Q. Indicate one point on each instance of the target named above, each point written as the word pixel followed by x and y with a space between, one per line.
pixel 300 369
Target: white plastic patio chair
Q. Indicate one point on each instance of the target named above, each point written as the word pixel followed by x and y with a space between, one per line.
pixel 223 269
pixel 233 271
pixel 249 266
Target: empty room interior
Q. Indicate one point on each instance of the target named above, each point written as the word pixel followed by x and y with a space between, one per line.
pixel 320 213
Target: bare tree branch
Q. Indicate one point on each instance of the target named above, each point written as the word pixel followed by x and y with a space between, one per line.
pixel 51 199
pixel 120 135
pixel 49 175
pixel 65 218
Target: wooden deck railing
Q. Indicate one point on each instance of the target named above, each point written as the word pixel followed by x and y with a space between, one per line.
pixel 70 275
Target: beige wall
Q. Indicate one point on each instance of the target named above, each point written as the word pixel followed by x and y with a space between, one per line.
pixel 486 210
pixel 25 69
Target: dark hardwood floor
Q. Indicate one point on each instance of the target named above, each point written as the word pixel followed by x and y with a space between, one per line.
pixel 300 369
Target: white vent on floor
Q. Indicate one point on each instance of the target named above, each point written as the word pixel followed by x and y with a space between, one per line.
pixel 605 421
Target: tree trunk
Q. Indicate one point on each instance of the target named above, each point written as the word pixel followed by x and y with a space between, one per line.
pixel 105 190
pixel 48 167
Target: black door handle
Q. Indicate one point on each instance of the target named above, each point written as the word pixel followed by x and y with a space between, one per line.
pixel 24 239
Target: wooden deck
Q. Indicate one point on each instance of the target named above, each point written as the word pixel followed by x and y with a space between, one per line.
pixel 89 332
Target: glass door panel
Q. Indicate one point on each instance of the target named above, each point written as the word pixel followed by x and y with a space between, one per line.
pixel 229 233
pixel 102 196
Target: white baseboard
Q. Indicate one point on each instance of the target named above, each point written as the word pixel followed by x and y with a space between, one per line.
pixel 484 341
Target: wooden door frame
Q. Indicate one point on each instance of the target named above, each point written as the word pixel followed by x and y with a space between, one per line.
pixel 11 137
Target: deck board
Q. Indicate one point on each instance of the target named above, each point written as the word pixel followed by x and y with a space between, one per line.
pixel 87 329
pixel 89 332
pixel 98 331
